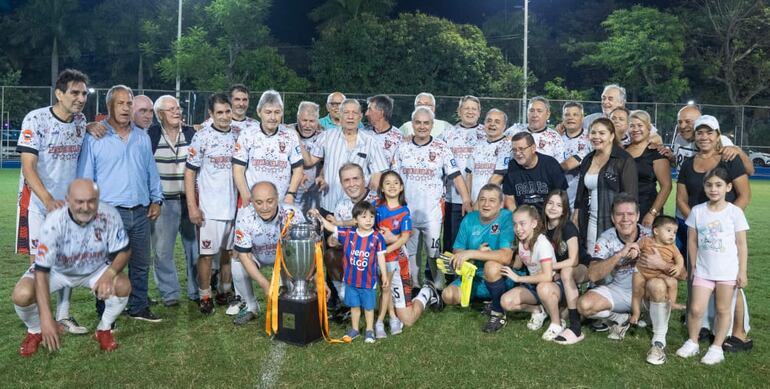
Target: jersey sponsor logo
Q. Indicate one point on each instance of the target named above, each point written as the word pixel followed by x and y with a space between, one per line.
pixel 206 244
pixel 26 135
pixel 495 229
pixel 360 263
pixel 453 162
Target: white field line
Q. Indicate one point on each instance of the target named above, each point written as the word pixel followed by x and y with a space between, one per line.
pixel 271 370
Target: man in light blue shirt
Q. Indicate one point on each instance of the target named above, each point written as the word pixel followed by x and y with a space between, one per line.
pixel 122 164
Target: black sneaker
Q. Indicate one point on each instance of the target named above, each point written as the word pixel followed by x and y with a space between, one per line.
pixel 435 301
pixel 705 335
pixel 495 323
pixel 599 326
pixel 487 309
pixel 145 315
pixel 224 298
pixel 206 306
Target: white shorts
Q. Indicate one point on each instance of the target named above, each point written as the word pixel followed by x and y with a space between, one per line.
pixel 214 236
pixel 57 281
pixel 619 298
pixel 430 229
pixel 35 222
pixel 402 296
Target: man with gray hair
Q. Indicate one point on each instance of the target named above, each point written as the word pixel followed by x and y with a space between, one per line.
pixel 308 129
pixel 332 119
pixel 123 165
pixel 142 116
pixel 547 140
pixel 169 140
pixel 388 137
pixel 426 99
pixel 613 96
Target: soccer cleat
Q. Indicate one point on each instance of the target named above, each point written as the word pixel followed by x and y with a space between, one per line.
pixel 618 331
pixel 396 327
pixel 379 330
pixel 29 344
pixel 536 320
pixel 435 301
pixel 244 317
pixel 552 332
pixel 236 305
pixel 495 323
pixel 688 349
pixel 350 335
pixel 71 325
pixel 106 341
pixel 206 306
pixel 369 337
pixel 224 298
pixel 145 315
pixel 713 356
pixel 657 354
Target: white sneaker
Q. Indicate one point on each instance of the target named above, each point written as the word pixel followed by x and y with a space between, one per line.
pixel 618 331
pixel 714 355
pixel 657 354
pixel 72 326
pixel 379 330
pixel 552 332
pixel 236 306
pixel 536 321
pixel 688 349
pixel 396 327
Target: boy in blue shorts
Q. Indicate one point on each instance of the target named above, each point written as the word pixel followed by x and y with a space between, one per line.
pixel 362 245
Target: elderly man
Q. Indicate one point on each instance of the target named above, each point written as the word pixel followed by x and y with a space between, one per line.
pixel 426 99
pixel 170 140
pixel 614 258
pixel 619 117
pixel 547 140
pixel 271 154
pixel 490 156
pixel 531 175
pixel 211 196
pixel 613 96
pixel 308 130
pixel 257 231
pixel 83 244
pixel 142 116
pixel 424 164
pixel 123 165
pixel 49 145
pixel 388 137
pixel 333 118
pixel 338 146
pixel 577 145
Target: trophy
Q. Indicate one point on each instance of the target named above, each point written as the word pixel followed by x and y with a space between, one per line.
pixel 298 317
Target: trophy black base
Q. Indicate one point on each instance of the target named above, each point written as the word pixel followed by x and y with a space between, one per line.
pixel 298 321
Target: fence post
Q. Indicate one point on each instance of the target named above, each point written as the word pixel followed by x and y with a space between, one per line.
pixel 2 120
pixel 743 123
pixel 655 114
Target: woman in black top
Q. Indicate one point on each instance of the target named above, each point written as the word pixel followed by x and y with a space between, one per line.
pixel 652 167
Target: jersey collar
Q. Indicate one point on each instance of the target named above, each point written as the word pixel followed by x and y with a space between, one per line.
pixel 430 139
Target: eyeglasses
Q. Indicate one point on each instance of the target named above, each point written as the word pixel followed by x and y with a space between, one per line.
pixel 521 149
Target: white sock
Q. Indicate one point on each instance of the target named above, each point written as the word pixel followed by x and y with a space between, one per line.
pixel 659 315
pixel 242 283
pixel 601 314
pixel 113 306
pixel 204 293
pixel 30 316
pixel 340 289
pixel 423 296
pixel 618 318
pixel 63 304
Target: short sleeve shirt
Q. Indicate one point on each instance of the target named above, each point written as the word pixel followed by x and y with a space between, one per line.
pixel 344 208
pixel 498 234
pixel 210 154
pixel 397 220
pixel 717 258
pixel 489 158
pixel 387 142
pixel 530 186
pixel 609 244
pixel 561 250
pixel 461 142
pixel 693 180
pixel 541 253
pixel 260 237
pixel 360 256
pixel 547 141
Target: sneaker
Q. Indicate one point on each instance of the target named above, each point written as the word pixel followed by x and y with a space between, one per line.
pixel 379 330
pixel 30 344
pixel 495 323
pixel 369 337
pixel 106 341
pixel 396 327
pixel 244 317
pixel 705 335
pixel 152 302
pixel 206 306
pixel 350 335
pixel 236 305
pixel 71 325
pixel 435 301
pixel 552 332
pixel 536 320
pixel 688 349
pixel 599 326
pixel 145 315
pixel 224 298
pixel 618 331
pixel 657 354
pixel 713 356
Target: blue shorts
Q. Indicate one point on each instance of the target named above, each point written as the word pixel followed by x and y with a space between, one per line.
pixel 479 290
pixel 533 289
pixel 360 297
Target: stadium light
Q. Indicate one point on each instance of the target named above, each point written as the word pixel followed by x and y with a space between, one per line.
pixel 91 90
pixel 690 102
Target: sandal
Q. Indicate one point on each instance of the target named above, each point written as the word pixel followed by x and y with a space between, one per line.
pixel 734 345
pixel 567 337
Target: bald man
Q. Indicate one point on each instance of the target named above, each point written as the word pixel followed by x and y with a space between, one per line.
pixel 83 244
pixel 257 230
pixel 143 115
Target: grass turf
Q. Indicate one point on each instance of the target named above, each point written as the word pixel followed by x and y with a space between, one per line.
pixel 443 349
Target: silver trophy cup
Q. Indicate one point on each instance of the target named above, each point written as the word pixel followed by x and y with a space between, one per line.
pixel 298 248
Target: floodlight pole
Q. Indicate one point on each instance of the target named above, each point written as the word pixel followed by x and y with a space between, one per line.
pixel 178 38
pixel 526 33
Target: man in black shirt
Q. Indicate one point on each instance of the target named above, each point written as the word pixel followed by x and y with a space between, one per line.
pixel 530 175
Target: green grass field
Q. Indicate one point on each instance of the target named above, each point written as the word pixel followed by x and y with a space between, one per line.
pixel 444 349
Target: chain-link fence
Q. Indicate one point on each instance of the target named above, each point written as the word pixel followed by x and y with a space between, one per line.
pixel 749 126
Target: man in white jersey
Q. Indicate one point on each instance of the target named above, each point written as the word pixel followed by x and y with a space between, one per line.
pixel 387 136
pixel 271 153
pixel 82 244
pixel 426 99
pixel 308 130
pixel 577 145
pixel 49 145
pixel 143 113
pixel 423 164
pixel 547 140
pixel 257 231
pixel 212 205
pixel 239 98
pixel 469 112
pixel 490 155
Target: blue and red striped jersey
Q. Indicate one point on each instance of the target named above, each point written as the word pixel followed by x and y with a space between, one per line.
pixel 397 220
pixel 360 256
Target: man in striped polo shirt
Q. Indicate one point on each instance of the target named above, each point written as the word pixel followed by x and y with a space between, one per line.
pixel 169 141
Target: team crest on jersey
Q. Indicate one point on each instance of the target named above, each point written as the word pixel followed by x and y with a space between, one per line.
pixel 238 235
pixel 495 229
pixel 77 131
pixel 42 250
pixel 237 146
pixel 192 152
pixel 388 144
pixel 27 135
pixel 98 234
pixel 432 156
pixel 541 144
pixel 206 244
pixel 282 146
pixel 33 243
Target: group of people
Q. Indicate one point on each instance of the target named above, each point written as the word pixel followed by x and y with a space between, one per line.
pixel 542 213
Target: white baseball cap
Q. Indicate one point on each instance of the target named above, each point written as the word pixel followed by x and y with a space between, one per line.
pixel 708 121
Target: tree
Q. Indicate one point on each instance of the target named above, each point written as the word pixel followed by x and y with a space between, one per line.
pixel 556 90
pixel 643 52
pixel 336 12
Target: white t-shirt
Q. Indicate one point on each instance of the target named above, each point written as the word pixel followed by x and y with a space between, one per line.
pixel 580 146
pixel 210 154
pixel 423 169
pixel 461 141
pixel 57 146
pixel 73 250
pixel 487 159
pixel 260 237
pixel 269 157
pixel 717 258
pixel 609 244
pixel 547 141
pixel 541 253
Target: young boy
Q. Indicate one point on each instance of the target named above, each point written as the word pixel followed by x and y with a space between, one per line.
pixel 664 240
pixel 361 245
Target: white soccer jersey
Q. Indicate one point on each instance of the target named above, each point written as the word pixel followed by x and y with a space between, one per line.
pixel 344 209
pixel 578 146
pixel 461 141
pixel 57 146
pixel 423 169
pixel 260 237
pixel 548 141
pixel 489 158
pixel 73 250
pixel 387 142
pixel 269 157
pixel 478 130
pixel 238 127
pixel 308 183
pixel 210 154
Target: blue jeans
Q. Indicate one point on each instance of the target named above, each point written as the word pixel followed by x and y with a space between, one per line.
pixel 174 219
pixel 137 225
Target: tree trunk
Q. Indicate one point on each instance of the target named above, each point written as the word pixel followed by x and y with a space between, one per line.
pixel 54 66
